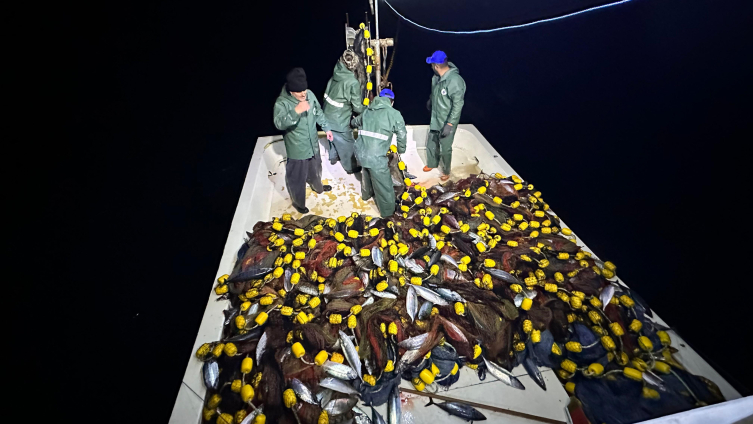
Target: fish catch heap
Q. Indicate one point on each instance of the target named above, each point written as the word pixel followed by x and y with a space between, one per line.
pixel 477 273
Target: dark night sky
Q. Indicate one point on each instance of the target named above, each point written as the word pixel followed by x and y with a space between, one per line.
pixel 631 120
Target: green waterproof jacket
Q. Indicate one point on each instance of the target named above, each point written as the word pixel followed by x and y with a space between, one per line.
pixel 342 98
pixel 376 126
pixel 447 98
pixel 301 141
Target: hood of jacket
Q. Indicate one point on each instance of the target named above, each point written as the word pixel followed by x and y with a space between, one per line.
pixel 380 103
pixel 342 73
pixel 453 70
pixel 287 97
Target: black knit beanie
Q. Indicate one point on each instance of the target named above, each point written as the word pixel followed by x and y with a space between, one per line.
pixel 296 80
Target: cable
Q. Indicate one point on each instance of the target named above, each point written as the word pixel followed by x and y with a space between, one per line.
pixel 506 27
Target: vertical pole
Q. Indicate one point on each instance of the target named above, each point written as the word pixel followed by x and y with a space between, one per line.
pixel 377 64
pixel 376 17
pixel 377 48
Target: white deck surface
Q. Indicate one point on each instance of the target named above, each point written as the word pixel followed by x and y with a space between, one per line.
pixel 264 196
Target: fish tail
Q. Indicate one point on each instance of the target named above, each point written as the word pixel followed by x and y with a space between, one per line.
pixel 431 402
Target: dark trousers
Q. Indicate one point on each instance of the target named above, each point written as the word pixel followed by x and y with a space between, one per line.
pixel 438 149
pixel 342 148
pixel 298 172
pixel 377 183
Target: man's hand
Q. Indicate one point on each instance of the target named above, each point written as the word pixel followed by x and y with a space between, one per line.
pixel 428 105
pixel 353 122
pixel 302 107
pixel 446 130
pixel 330 137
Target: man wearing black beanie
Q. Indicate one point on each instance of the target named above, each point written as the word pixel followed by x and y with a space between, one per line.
pixel 297 112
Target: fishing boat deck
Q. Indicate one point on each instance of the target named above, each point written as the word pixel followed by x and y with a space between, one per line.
pixel 264 196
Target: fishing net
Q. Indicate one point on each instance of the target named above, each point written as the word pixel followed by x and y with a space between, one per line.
pixel 479 273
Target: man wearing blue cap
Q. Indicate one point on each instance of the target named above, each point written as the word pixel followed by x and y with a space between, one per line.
pixel 445 104
pixel 376 126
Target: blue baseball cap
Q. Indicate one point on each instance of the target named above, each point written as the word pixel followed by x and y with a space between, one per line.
pixel 438 57
pixel 387 93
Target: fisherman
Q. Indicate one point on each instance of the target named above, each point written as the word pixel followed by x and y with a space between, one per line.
pixel 445 104
pixel 343 98
pixel 377 125
pixel 297 112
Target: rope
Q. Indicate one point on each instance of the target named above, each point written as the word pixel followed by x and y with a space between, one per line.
pixel 394 49
pixel 480 31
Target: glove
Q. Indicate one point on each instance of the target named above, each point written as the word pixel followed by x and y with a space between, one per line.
pixel 353 122
pixel 446 130
pixel 428 105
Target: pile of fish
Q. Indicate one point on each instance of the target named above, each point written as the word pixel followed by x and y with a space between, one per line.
pixel 328 315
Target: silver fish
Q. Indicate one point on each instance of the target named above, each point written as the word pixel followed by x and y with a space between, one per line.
pixel 338 385
pixel 324 396
pixel 361 416
pixel 477 238
pixel 654 380
pixel 383 294
pixel 425 310
pixel 253 309
pixel 341 294
pixel 364 276
pixel 285 353
pixel 438 188
pixel 261 347
pixel 432 242
pixel 448 260
pixel 287 284
pixel 393 406
pixel 376 256
pixel 599 263
pixel 369 366
pixel 211 372
pixel 401 261
pixel 411 303
pixel 503 375
pixel 459 409
pixel 351 354
pixel 340 406
pixel 393 289
pixel 407 358
pixel 450 295
pixel 435 257
pixel 533 372
pixel 415 342
pixel 396 182
pixel 327 288
pixel 531 294
pixel 413 266
pixel 341 371
pixel 409 176
pixel 518 300
pixel 502 275
pixel 252 416
pixel 363 263
pixel 606 295
pixel 372 221
pixel 376 417
pixel 447 196
pixel 303 392
pixel 368 302
pixel 308 288
pixel 429 295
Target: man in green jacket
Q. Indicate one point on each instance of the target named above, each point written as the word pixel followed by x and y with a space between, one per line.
pixel 377 125
pixel 445 104
pixel 342 99
pixel 297 112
